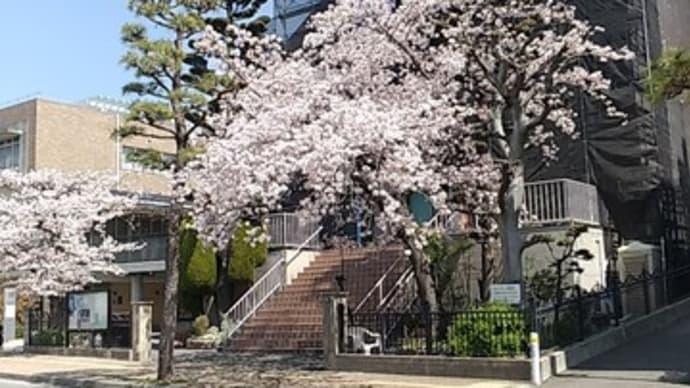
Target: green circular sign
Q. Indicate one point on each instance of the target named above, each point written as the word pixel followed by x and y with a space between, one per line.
pixel 421 208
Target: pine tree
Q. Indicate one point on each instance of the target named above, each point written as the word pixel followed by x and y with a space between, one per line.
pixel 177 89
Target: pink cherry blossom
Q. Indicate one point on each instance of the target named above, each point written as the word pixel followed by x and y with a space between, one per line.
pixel 52 229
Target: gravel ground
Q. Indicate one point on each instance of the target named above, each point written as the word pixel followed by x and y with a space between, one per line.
pixel 257 370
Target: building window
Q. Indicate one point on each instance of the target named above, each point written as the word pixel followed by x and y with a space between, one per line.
pixel 9 153
pixel 129 156
pixel 148 229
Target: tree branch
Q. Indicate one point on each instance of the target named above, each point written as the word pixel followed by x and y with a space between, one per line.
pixel 382 30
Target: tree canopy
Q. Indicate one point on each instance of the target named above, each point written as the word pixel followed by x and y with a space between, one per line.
pixel 669 76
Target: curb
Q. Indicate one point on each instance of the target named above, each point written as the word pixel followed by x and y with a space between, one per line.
pixel 71 382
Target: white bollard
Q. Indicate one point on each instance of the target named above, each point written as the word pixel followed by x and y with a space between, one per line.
pixel 535 356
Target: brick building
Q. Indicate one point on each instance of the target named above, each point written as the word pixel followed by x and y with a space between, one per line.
pixel 41 134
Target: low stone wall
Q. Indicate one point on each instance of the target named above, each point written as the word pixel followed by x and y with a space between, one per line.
pixel 487 368
pixel 113 353
pixel 419 365
pixel 601 343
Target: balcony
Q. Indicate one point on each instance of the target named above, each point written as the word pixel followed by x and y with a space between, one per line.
pixel 287 230
pixel 560 201
pixel 155 249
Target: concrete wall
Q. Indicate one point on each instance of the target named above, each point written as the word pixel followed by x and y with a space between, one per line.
pixel 539 257
pixel 112 353
pixel 297 263
pixel 483 368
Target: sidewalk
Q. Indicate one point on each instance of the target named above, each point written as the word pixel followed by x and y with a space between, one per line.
pixel 210 369
pixel 73 371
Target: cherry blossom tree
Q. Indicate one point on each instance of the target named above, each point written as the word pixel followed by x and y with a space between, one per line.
pixel 440 97
pixel 356 118
pixel 52 229
pixel 522 61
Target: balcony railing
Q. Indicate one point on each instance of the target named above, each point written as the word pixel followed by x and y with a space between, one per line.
pixel 559 201
pixel 288 230
pixel 154 249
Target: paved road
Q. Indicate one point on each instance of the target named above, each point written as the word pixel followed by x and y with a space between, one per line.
pixel 658 361
pixel 20 384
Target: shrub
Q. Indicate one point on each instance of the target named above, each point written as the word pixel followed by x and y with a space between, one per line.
pixel 488 331
pixel 246 255
pixel 197 271
pixel 201 325
pixel 197 264
pixel 48 338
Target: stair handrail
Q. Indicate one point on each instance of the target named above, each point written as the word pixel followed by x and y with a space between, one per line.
pixel 378 286
pixel 436 222
pixel 403 281
pixel 267 285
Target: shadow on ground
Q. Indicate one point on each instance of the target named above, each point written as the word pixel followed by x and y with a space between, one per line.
pixel 659 360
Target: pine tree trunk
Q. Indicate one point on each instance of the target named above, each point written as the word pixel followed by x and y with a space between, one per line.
pixel 510 201
pixel 172 280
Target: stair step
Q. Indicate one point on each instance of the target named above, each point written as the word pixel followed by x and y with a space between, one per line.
pixel 292 319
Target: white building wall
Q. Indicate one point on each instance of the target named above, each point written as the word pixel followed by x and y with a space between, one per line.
pixel 539 257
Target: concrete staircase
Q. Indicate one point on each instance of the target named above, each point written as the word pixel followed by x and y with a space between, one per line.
pixel 292 319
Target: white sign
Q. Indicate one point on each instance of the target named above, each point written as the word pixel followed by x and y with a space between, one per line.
pixel 88 310
pixel 10 298
pixel 505 293
pixel 9 324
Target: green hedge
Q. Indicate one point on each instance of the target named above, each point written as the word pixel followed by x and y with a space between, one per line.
pixel 198 273
pixel 197 264
pixel 246 255
pixel 488 331
pixel 197 270
pixel 48 338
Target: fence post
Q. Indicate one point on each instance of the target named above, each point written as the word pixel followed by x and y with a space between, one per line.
pixel 334 326
pixel 645 292
pixel 580 315
pixel 616 296
pixel 428 326
pixel 28 317
pixel 531 318
pixel 535 358
pixel 142 313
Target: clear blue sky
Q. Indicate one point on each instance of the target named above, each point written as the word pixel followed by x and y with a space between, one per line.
pixel 63 49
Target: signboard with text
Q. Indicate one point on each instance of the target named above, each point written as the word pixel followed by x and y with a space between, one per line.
pixel 506 293
pixel 88 310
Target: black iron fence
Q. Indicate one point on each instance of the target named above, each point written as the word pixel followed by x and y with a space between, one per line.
pixel 48 325
pixel 582 314
pixel 502 331
pixel 464 333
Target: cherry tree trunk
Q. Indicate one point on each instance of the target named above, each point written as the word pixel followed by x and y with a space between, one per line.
pixel 510 201
pixel 222 296
pixel 172 280
pixel 421 265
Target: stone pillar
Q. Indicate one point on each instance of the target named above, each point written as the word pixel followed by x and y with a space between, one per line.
pixel 333 332
pixel 142 313
pixel 136 288
pixel 9 317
